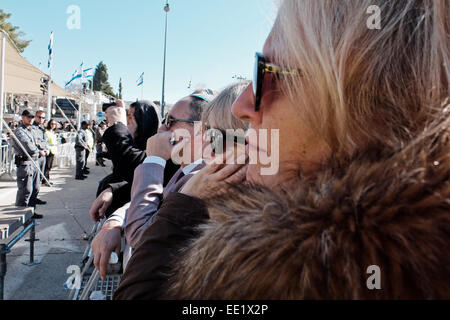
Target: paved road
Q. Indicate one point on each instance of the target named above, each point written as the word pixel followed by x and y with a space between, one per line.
pixel 66 218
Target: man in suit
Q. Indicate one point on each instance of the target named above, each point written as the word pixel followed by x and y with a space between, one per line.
pixel 147 191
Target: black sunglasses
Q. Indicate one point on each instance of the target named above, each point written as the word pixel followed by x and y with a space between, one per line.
pixel 169 120
pixel 261 68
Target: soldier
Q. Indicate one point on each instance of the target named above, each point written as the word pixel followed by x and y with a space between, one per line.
pixel 80 150
pixel 27 175
pixel 42 143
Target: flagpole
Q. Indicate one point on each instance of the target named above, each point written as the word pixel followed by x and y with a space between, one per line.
pixel 166 9
pixel 49 89
pixel 2 76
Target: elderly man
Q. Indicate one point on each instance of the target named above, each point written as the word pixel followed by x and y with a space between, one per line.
pixel 42 144
pixel 147 191
pixel 27 174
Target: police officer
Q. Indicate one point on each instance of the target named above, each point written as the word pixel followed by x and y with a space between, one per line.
pixel 43 145
pixel 27 175
pixel 81 145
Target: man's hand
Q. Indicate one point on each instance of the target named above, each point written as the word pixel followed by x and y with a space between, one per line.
pixel 159 145
pixel 214 179
pixel 101 204
pixel 47 152
pixel 116 114
pixel 108 240
pixel 42 153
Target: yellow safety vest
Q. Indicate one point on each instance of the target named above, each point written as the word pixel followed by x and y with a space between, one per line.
pixel 52 141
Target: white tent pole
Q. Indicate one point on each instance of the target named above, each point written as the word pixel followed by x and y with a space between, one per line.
pixel 2 78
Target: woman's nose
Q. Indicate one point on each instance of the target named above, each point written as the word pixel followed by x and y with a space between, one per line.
pixel 244 107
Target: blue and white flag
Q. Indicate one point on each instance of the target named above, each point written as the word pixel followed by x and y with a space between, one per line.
pixel 140 81
pixel 76 75
pixel 50 51
pixel 88 73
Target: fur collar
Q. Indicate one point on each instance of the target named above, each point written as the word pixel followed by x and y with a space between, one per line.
pixel 316 240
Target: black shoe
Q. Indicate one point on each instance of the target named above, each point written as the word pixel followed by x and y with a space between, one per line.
pixel 86 168
pixel 80 178
pixel 86 171
pixel 37 216
pixel 39 201
pixel 103 165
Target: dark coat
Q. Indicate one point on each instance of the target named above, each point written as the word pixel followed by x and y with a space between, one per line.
pixel 146 272
pixel 125 155
pixel 315 240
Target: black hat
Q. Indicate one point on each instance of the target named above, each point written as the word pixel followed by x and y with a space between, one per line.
pixel 84 123
pixel 27 113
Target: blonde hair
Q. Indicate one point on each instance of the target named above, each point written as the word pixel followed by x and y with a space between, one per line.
pixel 220 108
pixel 362 88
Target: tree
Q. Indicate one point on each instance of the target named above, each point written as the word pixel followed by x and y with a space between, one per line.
pixel 101 80
pixel 13 31
pixel 120 89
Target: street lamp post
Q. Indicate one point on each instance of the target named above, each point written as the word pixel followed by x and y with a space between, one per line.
pixel 166 9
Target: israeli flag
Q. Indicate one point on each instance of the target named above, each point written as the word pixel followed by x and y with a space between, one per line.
pixel 76 75
pixel 140 81
pixel 88 73
pixel 50 51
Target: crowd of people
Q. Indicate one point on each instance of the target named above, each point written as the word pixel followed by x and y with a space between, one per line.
pixel 362 182
pixel 35 147
pixel 358 119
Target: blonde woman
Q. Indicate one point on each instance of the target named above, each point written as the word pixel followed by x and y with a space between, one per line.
pixel 359 208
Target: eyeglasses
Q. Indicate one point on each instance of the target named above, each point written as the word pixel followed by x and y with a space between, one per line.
pixel 261 68
pixel 169 120
pixel 219 137
pixel 39 117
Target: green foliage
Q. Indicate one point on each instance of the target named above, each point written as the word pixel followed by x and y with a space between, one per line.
pixel 13 31
pixel 101 80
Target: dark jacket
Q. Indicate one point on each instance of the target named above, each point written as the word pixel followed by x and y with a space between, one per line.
pixel 316 240
pixel 146 272
pixel 123 152
pixel 125 155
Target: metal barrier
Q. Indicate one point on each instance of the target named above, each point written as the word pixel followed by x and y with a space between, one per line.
pixel 65 156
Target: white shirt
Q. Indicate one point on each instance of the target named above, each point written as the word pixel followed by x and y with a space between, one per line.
pixel 186 170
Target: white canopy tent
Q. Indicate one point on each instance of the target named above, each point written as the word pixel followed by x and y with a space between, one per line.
pixel 18 76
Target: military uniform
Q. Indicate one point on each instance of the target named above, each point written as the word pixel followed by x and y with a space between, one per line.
pixel 80 152
pixel 42 143
pixel 27 175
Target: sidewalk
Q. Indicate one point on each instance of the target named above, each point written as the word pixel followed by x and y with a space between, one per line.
pixel 60 234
